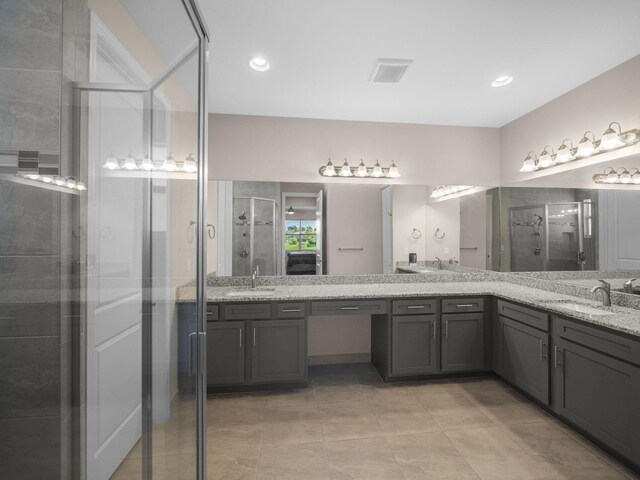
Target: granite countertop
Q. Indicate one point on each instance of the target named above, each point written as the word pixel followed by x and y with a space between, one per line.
pixel 625 320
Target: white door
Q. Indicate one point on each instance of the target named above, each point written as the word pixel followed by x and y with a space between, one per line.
pixel 319 233
pixel 387 230
pixel 619 229
pixel 114 262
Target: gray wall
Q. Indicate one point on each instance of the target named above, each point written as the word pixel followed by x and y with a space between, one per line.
pixel 44 48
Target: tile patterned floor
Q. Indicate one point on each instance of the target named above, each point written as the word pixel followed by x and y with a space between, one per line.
pixel 349 425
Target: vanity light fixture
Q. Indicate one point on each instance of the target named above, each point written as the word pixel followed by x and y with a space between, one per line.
pixel 169 164
pixel 361 171
pixel 130 163
pixel 612 139
pixel 445 190
pixel 147 164
pixel 618 176
pixel 55 181
pixel 259 64
pixel 502 81
pixel 189 165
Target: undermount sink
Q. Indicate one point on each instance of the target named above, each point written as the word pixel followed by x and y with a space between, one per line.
pixel 580 308
pixel 252 292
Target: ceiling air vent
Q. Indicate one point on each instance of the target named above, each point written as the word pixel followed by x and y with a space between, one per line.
pixel 389 70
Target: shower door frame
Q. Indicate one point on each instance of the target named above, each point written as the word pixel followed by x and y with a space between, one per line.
pixel 545 209
pixel 200 49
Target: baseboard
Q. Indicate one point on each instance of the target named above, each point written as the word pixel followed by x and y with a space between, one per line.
pixel 340 358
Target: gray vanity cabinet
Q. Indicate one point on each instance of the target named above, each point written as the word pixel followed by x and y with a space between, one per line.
pixel 278 350
pixel 597 383
pixel 524 357
pixel 414 345
pixel 462 342
pixel 225 353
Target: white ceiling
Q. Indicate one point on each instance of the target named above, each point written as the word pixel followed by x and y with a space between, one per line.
pixel 322 53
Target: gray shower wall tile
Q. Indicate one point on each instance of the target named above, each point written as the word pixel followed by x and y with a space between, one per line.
pixel 29 319
pixel 30 219
pixel 30 377
pixel 30 448
pixel 30 34
pixel 30 110
pixel 29 279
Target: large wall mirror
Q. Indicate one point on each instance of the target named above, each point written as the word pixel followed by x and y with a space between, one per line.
pixel 556 223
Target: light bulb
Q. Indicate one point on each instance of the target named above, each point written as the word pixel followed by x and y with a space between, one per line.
pixel 625 177
pixel 329 170
pixel 586 147
pixel 169 164
pixel 564 153
pixel 345 169
pixel 610 139
pixel 60 181
pixel 529 164
pixel 362 170
pixel 81 186
pixel 46 179
pixel 71 183
pixel 189 164
pixel 33 176
pixel 612 177
pixel 147 164
pixel 111 163
pixel 130 163
pixel 635 178
pixel 377 170
pixel 393 171
pixel 546 159
pixel 259 64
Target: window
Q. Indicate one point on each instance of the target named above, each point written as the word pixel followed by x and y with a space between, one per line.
pixel 300 235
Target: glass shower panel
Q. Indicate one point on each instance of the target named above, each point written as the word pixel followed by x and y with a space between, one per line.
pixel 263 238
pixel 527 236
pixel 564 236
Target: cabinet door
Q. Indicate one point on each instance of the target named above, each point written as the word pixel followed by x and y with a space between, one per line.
pixel 225 353
pixel 524 357
pixel 599 394
pixel 413 345
pixel 462 342
pixel 279 350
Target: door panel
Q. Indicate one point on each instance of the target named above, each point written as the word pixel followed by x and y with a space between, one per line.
pixel 462 342
pixel 524 358
pixel 414 348
pixel 225 352
pixel 278 350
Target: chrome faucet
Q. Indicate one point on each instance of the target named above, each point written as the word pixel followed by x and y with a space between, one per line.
pixel 254 277
pixel 628 285
pixel 605 288
pixel 438 262
pixel 453 260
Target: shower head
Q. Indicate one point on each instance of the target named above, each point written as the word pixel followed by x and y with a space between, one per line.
pixel 537 219
pixel 243 216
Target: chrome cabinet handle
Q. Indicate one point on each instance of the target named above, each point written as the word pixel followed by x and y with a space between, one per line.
pixel 540 350
pixel 240 332
pixel 435 326
pixel 290 310
pixel 209 314
pixel 349 308
pixel 412 307
pixel 446 329
pixel 254 336
pixel 556 350
pixel 467 305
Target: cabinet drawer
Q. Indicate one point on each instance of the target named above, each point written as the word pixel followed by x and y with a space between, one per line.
pixel 524 315
pixel 212 312
pixel 345 307
pixel 619 346
pixel 247 311
pixel 291 310
pixel 462 305
pixel 404 307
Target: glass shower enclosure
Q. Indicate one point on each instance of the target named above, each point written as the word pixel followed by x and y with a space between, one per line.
pixel 546 237
pixel 254 236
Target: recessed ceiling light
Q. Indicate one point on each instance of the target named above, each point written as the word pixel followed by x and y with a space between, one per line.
pixel 502 81
pixel 259 64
